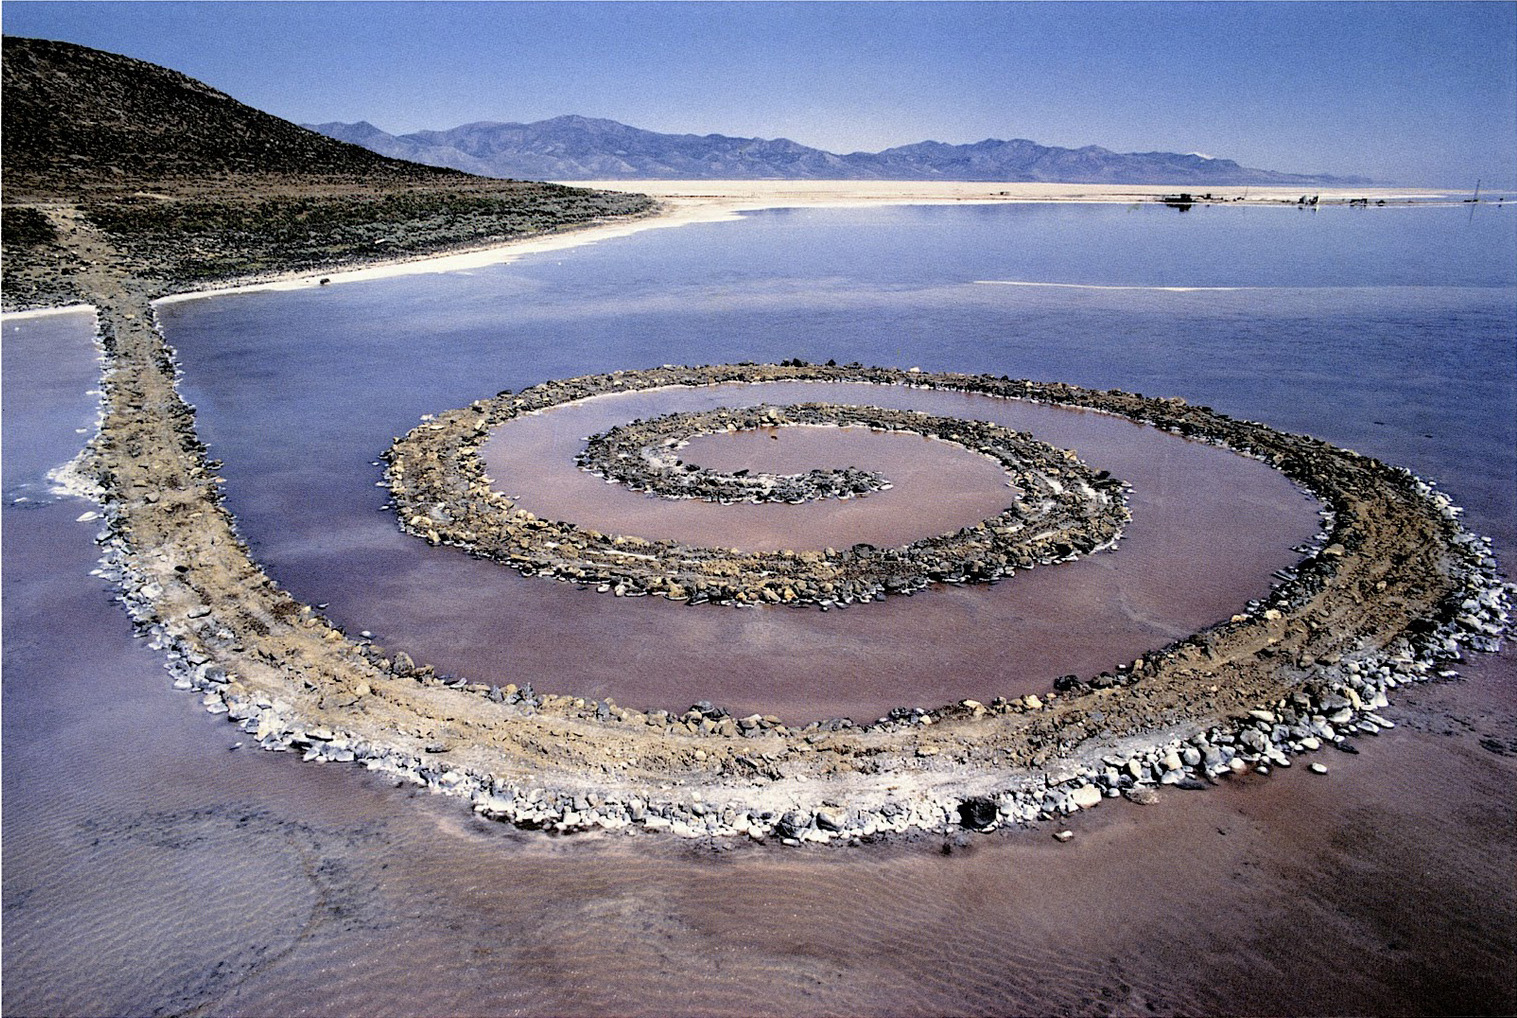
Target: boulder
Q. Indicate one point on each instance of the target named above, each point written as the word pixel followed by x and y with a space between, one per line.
pixel 978 812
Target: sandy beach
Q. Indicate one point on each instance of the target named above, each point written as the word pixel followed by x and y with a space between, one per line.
pixel 32 313
pixel 706 201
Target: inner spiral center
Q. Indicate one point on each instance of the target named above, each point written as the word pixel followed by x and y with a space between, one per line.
pixel 645 456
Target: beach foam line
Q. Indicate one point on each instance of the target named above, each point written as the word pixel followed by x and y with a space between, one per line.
pixel 67 309
pixel 73 478
pixel 503 253
pixel 1100 286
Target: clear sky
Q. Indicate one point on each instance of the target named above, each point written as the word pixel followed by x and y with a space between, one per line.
pixel 1412 93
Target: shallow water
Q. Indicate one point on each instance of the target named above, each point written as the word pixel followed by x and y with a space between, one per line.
pixel 299 392
pixel 1384 886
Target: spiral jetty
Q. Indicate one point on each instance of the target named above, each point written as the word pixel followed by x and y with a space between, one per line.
pixel 1392 590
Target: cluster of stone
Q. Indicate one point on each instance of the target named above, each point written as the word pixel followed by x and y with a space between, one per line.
pixel 643 455
pixel 1062 509
pixel 1331 712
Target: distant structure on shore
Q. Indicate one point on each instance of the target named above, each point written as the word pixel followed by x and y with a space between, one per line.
pixel 582 148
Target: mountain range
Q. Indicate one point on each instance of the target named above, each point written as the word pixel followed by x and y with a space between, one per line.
pixel 584 148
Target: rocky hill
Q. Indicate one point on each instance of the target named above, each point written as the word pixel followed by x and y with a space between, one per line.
pixel 191 186
pixel 78 118
pixel 581 148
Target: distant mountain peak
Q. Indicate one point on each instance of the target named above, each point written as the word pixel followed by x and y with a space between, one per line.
pixel 572 147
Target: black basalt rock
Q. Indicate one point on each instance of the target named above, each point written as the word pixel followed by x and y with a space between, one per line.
pixel 978 812
pixel 793 824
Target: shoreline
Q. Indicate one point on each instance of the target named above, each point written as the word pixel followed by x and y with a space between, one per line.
pixel 682 203
pixel 473 257
pixel 763 193
pixel 30 313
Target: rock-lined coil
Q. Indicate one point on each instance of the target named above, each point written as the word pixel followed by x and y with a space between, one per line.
pixel 1061 508
pixel 644 456
pixel 1392 589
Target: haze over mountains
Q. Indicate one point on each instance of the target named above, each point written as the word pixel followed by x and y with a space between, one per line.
pixel 583 148
pixel 75 116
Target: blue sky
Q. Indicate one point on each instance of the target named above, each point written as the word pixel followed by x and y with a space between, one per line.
pixel 1415 93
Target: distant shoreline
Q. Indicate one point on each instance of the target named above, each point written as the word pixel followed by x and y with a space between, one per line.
pixel 683 202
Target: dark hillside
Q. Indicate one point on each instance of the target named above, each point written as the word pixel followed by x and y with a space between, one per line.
pixel 77 118
pixel 193 241
pixel 191 187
